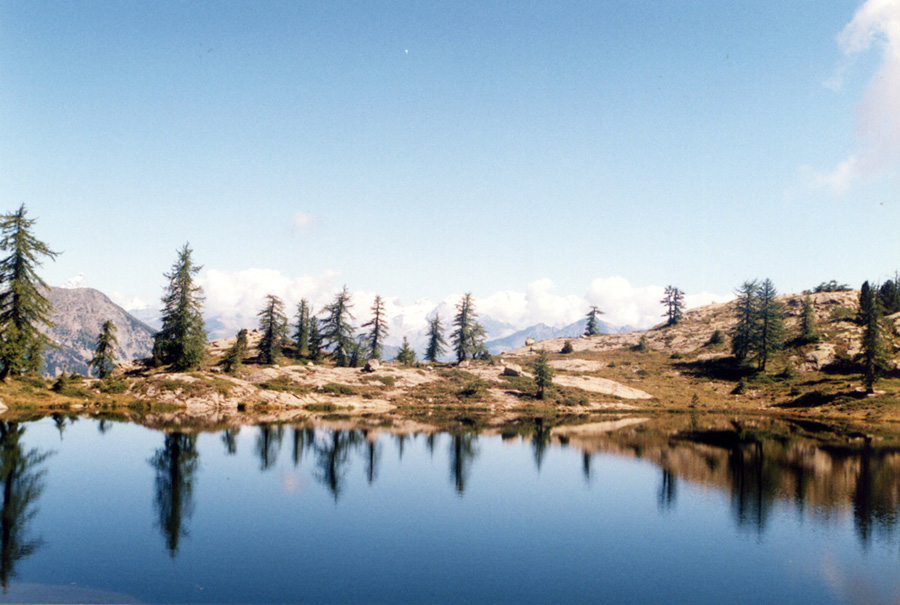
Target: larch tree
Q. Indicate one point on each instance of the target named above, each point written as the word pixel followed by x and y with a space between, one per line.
pixel 436 343
pixel 468 335
pixel 23 306
pixel 104 359
pixel 770 324
pixel 543 373
pixel 593 323
pixel 336 330
pixel 273 325
pixel 301 330
pixel 874 354
pixel 234 357
pixel 378 329
pixel 406 355
pixel 809 331
pixel 315 337
pixel 674 303
pixel 744 334
pixel 182 340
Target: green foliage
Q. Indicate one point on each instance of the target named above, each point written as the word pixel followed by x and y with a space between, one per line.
pixel 234 358
pixel 642 345
pixel 336 329
pixel 543 373
pixel 874 353
pixel 302 330
pixel 333 388
pixel 436 342
pixel 592 327
pixel 273 325
pixel 744 333
pixel 567 348
pixel 770 324
pixel 808 330
pixel 23 306
pixel 406 355
pixel 717 337
pixel 315 338
pixel 104 359
pixel 889 296
pixel 378 329
pixel 182 340
pixel 674 303
pixel 831 286
pixel 468 337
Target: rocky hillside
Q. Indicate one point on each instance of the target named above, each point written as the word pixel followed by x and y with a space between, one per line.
pixel 78 314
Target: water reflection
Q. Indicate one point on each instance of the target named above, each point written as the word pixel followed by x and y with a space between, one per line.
pixel 463 451
pixel 332 459
pixel 229 439
pixel 176 464
pixel 268 444
pixel 23 481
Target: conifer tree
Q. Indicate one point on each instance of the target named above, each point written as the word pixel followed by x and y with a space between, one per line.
pixel 674 303
pixel 873 336
pixel 379 329
pixel 744 334
pixel 436 342
pixel 23 306
pixel 234 358
pixel 182 339
pixel 808 330
pixel 337 331
pixel 301 332
pixel 543 373
pixel 468 336
pixel 889 296
pixel 104 359
pixel 406 355
pixel 770 324
pixel 273 325
pixel 593 326
pixel 315 337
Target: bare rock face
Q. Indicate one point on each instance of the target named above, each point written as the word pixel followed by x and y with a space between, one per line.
pixel 78 314
pixel 820 355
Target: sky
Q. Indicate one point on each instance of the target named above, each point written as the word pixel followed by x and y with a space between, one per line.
pixel 544 156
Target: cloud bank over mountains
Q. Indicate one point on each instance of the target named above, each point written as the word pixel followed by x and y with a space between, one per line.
pixel 233 298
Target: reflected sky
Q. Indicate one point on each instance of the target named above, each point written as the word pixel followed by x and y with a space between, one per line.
pixel 276 513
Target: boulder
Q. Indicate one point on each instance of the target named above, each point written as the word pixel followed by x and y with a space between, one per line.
pixel 529 342
pixel 372 365
pixel 512 369
pixel 820 356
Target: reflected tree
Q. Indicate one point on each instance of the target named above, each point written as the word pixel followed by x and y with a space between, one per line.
pixel 586 459
pixel 373 455
pixel 23 482
pixel 304 438
pixel 875 497
pixel 60 422
pixel 668 489
pixel 540 439
pixel 332 457
pixel 229 438
pixel 463 451
pixel 401 441
pixel 268 444
pixel 430 442
pixel 176 464
pixel 104 426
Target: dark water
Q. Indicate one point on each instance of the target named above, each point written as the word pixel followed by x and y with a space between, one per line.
pixel 672 510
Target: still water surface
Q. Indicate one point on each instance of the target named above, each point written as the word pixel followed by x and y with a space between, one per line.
pixel 629 511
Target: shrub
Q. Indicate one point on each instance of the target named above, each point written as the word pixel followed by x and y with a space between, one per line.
pixel 333 388
pixel 642 345
pixel 567 348
pixel 677 355
pixel 717 338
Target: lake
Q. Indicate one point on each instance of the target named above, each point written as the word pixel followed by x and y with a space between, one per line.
pixel 621 509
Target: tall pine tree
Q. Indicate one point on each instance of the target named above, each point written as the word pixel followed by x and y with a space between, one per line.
pixel 874 354
pixel 301 332
pixel 436 343
pixel 273 325
pixel 593 326
pixel 182 340
pixel 770 324
pixel 374 340
pixel 674 303
pixel 468 335
pixel 104 359
pixel 744 334
pixel 23 306
pixel 336 330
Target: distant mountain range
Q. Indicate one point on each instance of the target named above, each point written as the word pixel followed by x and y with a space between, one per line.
pixel 78 314
pixel 544 332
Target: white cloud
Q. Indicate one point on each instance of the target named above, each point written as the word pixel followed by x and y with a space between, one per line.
pixel 129 303
pixel 875 24
pixel 76 282
pixel 301 221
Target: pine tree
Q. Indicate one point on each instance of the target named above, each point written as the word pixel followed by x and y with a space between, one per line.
pixel 808 330
pixel 674 303
pixel 436 342
pixel 234 358
pixel 866 302
pixel 104 359
pixel 182 339
pixel 301 333
pixel 406 355
pixel 337 331
pixel 379 329
pixel 315 338
pixel 874 354
pixel 770 324
pixel 744 334
pixel 273 324
pixel 593 325
pixel 468 337
pixel 543 373
pixel 889 297
pixel 23 306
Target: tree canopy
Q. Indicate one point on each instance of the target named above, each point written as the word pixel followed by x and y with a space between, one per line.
pixel 273 324
pixel 378 329
pixel 674 303
pixel 182 340
pixel 469 335
pixel 593 323
pixel 23 306
pixel 436 343
pixel 336 329
pixel 104 359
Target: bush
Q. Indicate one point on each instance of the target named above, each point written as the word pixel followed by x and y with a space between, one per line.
pixel 831 286
pixel 677 355
pixel 642 345
pixel 567 348
pixel 717 338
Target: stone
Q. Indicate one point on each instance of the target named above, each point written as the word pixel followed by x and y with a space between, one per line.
pixel 512 369
pixel 529 342
pixel 372 365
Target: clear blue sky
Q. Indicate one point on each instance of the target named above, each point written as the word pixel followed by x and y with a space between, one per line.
pixel 421 149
